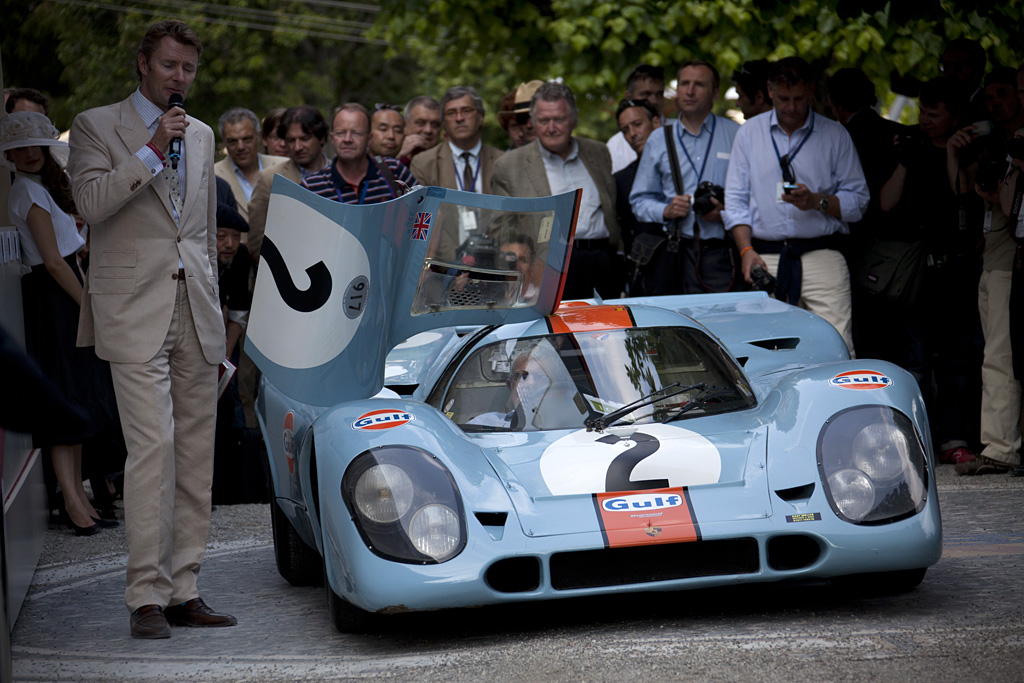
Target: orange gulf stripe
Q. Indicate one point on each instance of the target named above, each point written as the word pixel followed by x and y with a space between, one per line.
pixel 585 318
pixel 631 518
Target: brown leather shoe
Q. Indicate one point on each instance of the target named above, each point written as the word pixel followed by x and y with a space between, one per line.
pixel 148 621
pixel 196 613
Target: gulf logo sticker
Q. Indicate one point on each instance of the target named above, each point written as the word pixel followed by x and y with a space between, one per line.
pixel 631 518
pixel 383 419
pixel 861 379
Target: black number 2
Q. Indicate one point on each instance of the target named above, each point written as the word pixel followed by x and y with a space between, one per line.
pixel 302 300
pixel 619 471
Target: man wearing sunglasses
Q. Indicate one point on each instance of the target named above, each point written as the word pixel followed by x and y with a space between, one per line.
pixel 794 184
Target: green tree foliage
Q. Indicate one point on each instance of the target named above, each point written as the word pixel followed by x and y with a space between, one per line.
pixel 593 44
pixel 258 54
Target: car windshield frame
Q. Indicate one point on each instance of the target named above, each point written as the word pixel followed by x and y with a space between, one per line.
pixel 563 380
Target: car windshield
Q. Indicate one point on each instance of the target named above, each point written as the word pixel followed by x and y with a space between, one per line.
pixel 560 381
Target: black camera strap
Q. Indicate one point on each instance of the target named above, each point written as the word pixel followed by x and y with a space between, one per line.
pixel 677 183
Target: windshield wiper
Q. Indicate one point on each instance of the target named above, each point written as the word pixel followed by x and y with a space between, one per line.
pixel 601 423
pixel 701 399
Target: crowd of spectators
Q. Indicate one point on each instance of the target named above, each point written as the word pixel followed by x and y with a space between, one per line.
pixel 905 238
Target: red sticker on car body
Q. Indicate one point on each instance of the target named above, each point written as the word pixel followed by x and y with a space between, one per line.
pixel 630 518
pixel 383 419
pixel 861 379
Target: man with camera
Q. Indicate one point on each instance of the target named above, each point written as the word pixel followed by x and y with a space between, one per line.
pixel 794 183
pixel 999 428
pixel 678 186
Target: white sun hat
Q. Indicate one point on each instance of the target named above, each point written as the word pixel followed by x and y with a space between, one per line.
pixel 28 129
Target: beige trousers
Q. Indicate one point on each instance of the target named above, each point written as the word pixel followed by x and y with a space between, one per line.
pixel 1000 392
pixel 825 288
pixel 168 412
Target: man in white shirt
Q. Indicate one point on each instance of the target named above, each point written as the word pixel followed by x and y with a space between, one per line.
pixel 794 184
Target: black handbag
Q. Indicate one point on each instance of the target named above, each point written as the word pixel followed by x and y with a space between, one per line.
pixel 644 247
pixel 892 270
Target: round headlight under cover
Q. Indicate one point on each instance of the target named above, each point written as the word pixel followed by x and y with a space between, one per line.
pixel 881 451
pixel 383 493
pixel 435 531
pixel 853 493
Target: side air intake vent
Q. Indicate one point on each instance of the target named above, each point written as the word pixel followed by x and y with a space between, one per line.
pixel 781 344
pixel 796 493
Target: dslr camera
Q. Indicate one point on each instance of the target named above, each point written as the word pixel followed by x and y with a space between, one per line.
pixel 762 280
pixel 702 197
pixel 911 148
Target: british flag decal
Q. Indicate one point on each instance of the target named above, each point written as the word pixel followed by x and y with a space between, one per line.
pixel 422 225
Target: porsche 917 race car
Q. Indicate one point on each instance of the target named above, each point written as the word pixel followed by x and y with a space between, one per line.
pixel 444 432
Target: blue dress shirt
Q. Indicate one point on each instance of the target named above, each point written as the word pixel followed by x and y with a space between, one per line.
pixel 653 188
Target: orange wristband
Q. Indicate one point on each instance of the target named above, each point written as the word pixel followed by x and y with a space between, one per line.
pixel 745 248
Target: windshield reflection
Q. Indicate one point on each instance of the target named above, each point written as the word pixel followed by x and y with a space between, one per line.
pixel 560 381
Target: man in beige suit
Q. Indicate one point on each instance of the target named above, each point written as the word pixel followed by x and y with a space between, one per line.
pixel 305 132
pixel 151 308
pixel 462 162
pixel 558 162
pixel 240 133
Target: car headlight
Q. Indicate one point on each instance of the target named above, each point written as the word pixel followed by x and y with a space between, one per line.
pixel 405 504
pixel 873 465
pixel 383 493
pixel 434 531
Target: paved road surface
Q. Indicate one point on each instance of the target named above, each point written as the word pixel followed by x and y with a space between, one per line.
pixel 965 622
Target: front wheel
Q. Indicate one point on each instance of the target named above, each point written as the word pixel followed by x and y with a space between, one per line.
pixel 345 616
pixel 299 564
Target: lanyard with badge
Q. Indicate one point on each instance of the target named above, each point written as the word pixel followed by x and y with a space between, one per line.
pixel 786 161
pixel 467 216
pixel 459 177
pixel 362 193
pixel 707 152
pixel 703 165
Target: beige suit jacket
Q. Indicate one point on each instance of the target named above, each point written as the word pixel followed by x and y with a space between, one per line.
pixel 520 173
pixel 225 170
pixel 135 244
pixel 260 200
pixel 437 167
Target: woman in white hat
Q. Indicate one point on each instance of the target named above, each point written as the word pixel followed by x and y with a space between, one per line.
pixel 40 204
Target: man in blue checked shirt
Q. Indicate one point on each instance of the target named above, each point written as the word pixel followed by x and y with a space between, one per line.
pixel 794 183
pixel 697 255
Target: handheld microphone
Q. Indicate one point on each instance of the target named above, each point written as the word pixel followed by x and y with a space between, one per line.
pixel 175 151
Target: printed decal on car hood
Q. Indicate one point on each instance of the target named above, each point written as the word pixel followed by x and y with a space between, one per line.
pixel 651 456
pixel 656 516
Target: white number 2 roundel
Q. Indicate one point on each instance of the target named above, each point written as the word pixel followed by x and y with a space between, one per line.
pixel 649 456
pixel 311 288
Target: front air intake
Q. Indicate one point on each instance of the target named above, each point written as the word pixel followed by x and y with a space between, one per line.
pixel 649 563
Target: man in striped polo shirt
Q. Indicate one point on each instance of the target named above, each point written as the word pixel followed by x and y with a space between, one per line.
pixel 355 177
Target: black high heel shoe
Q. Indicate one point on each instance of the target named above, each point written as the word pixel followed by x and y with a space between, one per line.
pixel 104 523
pixel 90 530
pixel 84 530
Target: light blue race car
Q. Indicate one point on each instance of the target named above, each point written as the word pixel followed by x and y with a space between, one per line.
pixel 444 433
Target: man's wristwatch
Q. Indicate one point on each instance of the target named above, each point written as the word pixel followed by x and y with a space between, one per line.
pixel 823 204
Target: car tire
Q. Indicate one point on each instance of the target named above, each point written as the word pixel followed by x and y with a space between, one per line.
pixel 345 616
pixel 297 563
pixel 881 583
